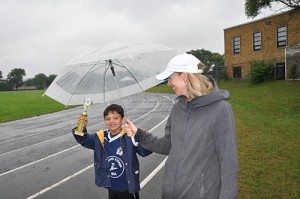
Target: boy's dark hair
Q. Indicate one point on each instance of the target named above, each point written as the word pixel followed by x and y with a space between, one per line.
pixel 114 108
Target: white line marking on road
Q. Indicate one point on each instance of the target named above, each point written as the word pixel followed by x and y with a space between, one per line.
pixel 18 168
pixel 60 182
pixel 157 104
pixel 144 182
pixel 31 163
pixel 42 142
pixel 153 173
pixel 34 134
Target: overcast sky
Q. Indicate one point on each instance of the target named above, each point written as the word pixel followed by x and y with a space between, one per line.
pixel 41 36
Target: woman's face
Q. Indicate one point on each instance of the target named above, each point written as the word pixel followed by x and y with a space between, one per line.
pixel 178 82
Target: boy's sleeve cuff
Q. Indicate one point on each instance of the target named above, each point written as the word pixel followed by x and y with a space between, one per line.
pixel 84 132
pixel 134 142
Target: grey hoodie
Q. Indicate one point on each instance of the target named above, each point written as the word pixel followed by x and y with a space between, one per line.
pixel 200 140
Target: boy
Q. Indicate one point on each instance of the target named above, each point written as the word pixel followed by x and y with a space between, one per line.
pixel 115 160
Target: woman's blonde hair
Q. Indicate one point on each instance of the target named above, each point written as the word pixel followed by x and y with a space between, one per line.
pixel 198 85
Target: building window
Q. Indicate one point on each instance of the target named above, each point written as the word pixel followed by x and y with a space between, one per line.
pixel 236 45
pixel 281 36
pixel 237 72
pixel 257 41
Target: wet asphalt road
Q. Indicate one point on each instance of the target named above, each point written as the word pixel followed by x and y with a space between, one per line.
pixel 39 158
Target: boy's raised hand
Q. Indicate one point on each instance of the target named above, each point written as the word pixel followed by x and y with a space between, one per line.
pixel 131 129
pixel 83 120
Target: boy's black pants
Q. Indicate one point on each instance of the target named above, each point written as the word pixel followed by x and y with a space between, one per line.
pixel 122 195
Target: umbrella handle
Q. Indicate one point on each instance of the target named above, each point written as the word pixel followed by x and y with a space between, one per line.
pixel 114 74
pixel 111 67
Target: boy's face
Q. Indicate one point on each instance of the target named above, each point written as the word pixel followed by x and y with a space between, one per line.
pixel 113 122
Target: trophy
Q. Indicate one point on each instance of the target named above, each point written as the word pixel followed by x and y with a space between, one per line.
pixel 83 117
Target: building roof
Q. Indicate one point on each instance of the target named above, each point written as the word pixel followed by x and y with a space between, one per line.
pixel 254 21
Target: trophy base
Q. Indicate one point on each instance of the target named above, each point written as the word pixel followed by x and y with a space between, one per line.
pixel 79 133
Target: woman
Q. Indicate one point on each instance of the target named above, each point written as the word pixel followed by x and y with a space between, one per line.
pixel 199 138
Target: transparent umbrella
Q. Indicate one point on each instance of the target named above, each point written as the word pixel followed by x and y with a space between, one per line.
pixel 110 72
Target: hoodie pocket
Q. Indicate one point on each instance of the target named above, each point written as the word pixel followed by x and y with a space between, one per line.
pixel 201 186
pixel 102 172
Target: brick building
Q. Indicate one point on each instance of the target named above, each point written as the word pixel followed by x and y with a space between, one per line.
pixel 266 39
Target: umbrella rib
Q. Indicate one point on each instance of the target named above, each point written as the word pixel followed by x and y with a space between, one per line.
pixel 122 65
pixel 81 81
pixel 146 63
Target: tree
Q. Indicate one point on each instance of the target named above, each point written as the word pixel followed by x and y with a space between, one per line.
pixel 15 77
pixel 212 61
pixel 50 80
pixel 29 82
pixel 261 71
pixel 1 75
pixel 40 80
pixel 253 7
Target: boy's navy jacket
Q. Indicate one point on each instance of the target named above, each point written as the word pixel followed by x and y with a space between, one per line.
pixel 101 165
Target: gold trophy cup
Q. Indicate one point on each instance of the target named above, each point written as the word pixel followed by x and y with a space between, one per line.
pixel 83 117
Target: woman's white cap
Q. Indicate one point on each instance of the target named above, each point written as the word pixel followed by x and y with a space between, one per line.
pixel 180 63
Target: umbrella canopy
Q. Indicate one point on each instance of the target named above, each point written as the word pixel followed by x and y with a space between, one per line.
pixel 110 72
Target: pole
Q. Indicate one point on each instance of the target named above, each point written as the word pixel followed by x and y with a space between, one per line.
pixel 114 74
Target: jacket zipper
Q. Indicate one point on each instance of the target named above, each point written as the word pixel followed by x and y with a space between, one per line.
pixel 180 155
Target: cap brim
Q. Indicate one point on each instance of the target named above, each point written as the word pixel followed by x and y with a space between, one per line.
pixel 164 75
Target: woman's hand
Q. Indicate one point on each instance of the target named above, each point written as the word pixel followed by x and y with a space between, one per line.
pixel 131 129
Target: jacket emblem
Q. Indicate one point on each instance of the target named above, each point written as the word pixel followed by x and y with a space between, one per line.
pixel 119 151
pixel 117 166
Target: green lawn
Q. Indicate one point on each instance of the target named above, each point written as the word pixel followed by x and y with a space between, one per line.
pixel 23 104
pixel 268 132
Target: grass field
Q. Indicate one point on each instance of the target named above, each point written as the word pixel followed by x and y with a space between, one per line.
pixel 268 131
pixel 23 104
